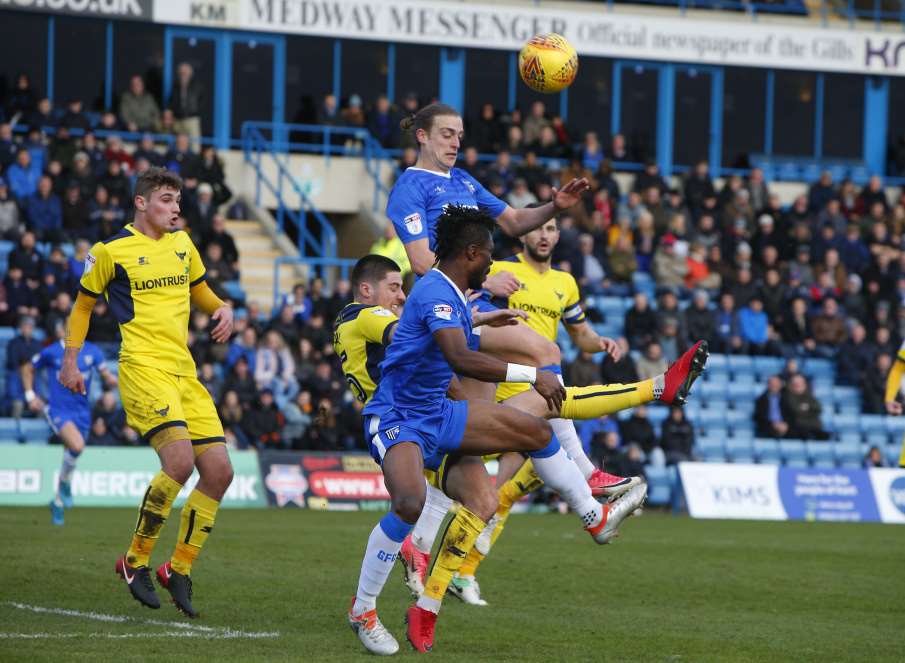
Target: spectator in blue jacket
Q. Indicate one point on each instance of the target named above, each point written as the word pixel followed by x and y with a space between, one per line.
pixel 23 176
pixel 44 212
pixel 754 328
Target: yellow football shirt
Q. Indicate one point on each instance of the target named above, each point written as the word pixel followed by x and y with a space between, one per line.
pixel 146 283
pixel 547 298
pixel 360 336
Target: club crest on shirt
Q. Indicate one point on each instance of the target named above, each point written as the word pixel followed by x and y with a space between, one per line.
pixel 143 261
pixel 180 254
pixel 443 311
pixel 413 223
pixel 469 185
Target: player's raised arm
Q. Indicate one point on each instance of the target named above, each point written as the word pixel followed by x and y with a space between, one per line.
pixel 517 222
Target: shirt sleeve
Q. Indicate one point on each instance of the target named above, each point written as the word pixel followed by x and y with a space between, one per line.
pixel 901 354
pixel 197 272
pixel 486 200
pixel 407 209
pixel 572 314
pixel 376 324
pixel 98 271
pixel 39 360
pixel 441 312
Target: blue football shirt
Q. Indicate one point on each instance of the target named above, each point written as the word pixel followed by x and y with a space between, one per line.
pixel 60 399
pixel 420 196
pixel 414 373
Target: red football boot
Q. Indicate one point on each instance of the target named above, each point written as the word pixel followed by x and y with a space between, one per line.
pixel 414 566
pixel 610 486
pixel 682 374
pixel 419 630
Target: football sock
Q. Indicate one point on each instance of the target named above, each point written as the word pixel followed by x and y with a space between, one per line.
pixel 523 482
pixel 436 506
pixel 565 431
pixel 563 476
pixel 598 400
pixel 383 548
pixel 70 458
pixel 155 508
pixel 458 540
pixel 195 524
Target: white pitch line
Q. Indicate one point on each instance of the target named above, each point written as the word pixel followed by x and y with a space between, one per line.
pixel 117 636
pixel 214 631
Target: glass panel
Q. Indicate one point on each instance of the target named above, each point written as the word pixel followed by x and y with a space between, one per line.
pixel 306 85
pixel 590 100
pixel 417 70
pixel 744 94
pixel 252 94
pixel 22 33
pixel 843 116
pixel 138 49
pixel 79 57
pixel 638 110
pixel 691 131
pixel 200 54
pixel 793 113
pixel 364 70
pixel 486 81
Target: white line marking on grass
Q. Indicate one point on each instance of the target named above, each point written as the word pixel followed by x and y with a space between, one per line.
pixel 210 631
pixel 122 636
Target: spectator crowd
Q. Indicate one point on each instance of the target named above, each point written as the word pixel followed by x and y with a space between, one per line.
pixel 723 261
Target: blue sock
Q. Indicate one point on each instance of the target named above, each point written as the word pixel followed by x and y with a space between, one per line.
pixel 395 527
pixel 548 450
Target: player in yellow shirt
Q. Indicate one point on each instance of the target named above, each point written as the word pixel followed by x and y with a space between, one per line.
pixel 149 275
pixel 893 383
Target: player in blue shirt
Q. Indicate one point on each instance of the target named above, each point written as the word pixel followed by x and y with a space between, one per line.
pixel 411 424
pixel 68 413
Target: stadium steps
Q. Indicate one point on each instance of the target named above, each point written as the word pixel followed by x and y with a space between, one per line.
pixel 257 253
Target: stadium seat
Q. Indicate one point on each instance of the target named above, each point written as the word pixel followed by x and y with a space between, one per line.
pixel 740 450
pixel 821 454
pixel 711 449
pixel 657 414
pixel 849 437
pixel 793 451
pixel 717 363
pixel 764 367
pixel 893 453
pixel 797 462
pixel 746 406
pixel 34 431
pixel 659 485
pixel 712 389
pixel 7 334
pixel 872 423
pixel 736 419
pixel 814 367
pixel 767 450
pixel 823 392
pixel 895 426
pixel 847 453
pixel 741 366
pixel 693 409
pixel 9 428
pixel 877 439
pixel 712 418
pixel 846 423
pixel 848 408
pixel 8 440
pixel 851 465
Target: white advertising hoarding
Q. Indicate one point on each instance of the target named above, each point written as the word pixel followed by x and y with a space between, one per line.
pixel 723 490
pixel 594 31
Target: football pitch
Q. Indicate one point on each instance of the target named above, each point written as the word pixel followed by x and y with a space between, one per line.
pixel 275 585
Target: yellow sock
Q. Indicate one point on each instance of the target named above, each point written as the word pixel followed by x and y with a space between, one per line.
pixel 196 522
pixel 155 508
pixel 523 482
pixel 457 542
pixel 596 401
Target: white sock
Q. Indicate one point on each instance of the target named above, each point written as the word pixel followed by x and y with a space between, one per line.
pixel 563 476
pixel 565 431
pixel 380 557
pixel 68 466
pixel 436 506
pixel 659 385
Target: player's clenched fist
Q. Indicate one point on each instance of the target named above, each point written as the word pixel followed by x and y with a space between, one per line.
pixel 71 378
pixel 547 385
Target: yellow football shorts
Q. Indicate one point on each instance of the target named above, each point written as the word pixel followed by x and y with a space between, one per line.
pixel 509 389
pixel 155 401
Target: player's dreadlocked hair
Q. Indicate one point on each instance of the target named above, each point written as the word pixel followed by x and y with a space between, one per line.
pixel 459 227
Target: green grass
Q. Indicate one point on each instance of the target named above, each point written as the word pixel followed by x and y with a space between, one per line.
pixel 671 589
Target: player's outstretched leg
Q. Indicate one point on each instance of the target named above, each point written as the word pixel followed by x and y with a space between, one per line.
pixel 402 466
pixel 466 480
pixel 415 554
pixel 195 525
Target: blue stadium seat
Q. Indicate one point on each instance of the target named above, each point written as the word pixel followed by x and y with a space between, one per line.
pixel 693 410
pixel 879 439
pixel 34 431
pixel 847 453
pixel 793 451
pixel 712 418
pixel 895 426
pixel 849 437
pixel 745 405
pixel 893 453
pixel 741 367
pixel 740 450
pixel 797 462
pixel 737 419
pixel 710 450
pixel 767 450
pixel 8 440
pixel 843 394
pixel 9 428
pixel 821 454
pixel 823 392
pixel 814 367
pixel 659 485
pixel 846 423
pixel 709 391
pixel 764 367
pixel 826 418
pixel 872 423
pixel 717 364
pixel 849 408
pixel 657 413
pixel 614 306
pixel 851 465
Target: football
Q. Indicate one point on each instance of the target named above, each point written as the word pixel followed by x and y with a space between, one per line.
pixel 548 63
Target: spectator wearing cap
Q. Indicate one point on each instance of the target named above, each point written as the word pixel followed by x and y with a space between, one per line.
pixel 10 223
pixel 829 328
pixel 137 108
pixel 670 266
pixel 44 212
pixel 23 176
